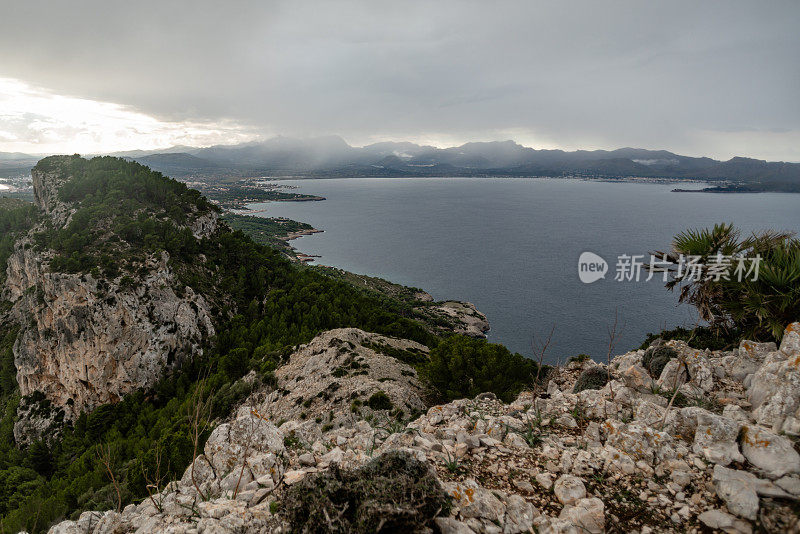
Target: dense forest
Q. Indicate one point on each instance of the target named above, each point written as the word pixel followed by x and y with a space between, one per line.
pixel 264 305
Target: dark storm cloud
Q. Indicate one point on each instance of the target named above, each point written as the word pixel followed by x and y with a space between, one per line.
pixel 714 77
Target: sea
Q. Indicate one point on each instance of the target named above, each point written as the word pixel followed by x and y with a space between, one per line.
pixel 511 247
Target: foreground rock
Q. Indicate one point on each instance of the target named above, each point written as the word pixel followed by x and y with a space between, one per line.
pixel 622 458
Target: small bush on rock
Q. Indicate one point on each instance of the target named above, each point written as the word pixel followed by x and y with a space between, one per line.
pixel 656 357
pixel 393 493
pixel 380 401
pixel 580 358
pixel 592 378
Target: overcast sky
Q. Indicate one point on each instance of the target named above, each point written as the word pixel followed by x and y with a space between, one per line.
pixel 718 78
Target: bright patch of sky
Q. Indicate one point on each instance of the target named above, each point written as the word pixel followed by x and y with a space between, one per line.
pixel 36 121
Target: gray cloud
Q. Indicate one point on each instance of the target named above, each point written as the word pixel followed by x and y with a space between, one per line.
pixel 697 77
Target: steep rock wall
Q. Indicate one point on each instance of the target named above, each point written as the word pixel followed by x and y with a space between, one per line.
pixel 86 341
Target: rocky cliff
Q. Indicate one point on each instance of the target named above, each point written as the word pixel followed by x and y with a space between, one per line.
pixel 678 440
pixel 87 339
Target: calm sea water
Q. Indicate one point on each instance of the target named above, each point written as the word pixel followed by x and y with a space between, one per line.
pixel 511 247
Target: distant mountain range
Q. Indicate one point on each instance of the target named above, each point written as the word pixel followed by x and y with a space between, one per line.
pixel 333 157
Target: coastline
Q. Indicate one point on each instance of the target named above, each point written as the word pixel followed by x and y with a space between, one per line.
pixel 300 256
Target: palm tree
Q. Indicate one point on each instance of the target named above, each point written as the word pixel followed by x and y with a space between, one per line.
pixel 760 306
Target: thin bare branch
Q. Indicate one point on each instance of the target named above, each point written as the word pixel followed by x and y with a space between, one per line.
pixel 105 457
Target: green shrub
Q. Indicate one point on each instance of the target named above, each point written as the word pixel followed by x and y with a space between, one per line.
pixel 657 365
pixel 580 358
pixel 702 337
pixel 462 367
pixel 655 358
pixel 393 493
pixel 592 378
pixel 380 401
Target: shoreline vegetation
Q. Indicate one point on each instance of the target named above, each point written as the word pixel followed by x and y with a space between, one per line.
pixel 275 232
pixel 244 192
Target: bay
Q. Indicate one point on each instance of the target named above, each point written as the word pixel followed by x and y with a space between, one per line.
pixel 511 247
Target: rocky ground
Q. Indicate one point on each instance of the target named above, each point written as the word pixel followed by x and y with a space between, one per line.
pixel 679 440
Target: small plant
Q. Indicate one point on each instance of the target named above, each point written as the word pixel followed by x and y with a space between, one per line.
pixel 707 403
pixel 291 441
pixel 274 506
pixel 580 358
pixel 531 431
pixel 592 378
pixel 392 426
pixel 451 462
pixel 388 427
pixel 380 401
pixel 579 413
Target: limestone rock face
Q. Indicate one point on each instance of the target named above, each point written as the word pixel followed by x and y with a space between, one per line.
pixel 715 438
pixel 45 194
pixel 740 490
pixel 569 489
pixel 87 340
pixel 749 358
pixel 737 490
pixel 723 521
pixel 773 454
pixel 774 390
pixel 249 436
pixel 587 514
pixel 91 341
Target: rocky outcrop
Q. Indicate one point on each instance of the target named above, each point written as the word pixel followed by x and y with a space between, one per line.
pixel 774 388
pixel 46 185
pixel 87 340
pixel 614 459
pixel 466 317
pixel 343 374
